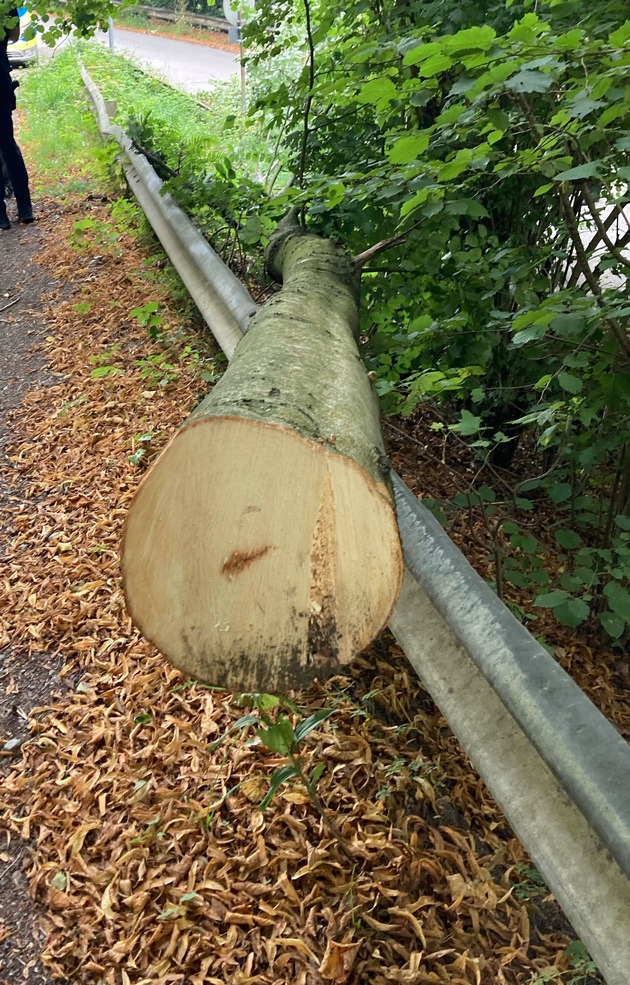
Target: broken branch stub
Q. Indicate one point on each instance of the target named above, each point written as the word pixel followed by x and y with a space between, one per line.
pixel 261 550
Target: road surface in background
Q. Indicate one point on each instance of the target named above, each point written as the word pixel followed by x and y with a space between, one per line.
pixel 185 65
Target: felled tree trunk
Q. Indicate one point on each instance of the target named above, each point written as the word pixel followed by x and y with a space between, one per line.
pixel 261 550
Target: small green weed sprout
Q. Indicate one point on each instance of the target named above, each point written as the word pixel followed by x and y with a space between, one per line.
pixel 157 371
pixel 278 734
pixel 147 316
pixel 531 883
pixel 141 447
pixel 581 971
pixel 103 363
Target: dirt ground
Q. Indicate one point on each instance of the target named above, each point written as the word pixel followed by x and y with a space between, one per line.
pixel 130 853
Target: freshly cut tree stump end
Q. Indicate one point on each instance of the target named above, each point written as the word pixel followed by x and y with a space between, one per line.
pixel 255 559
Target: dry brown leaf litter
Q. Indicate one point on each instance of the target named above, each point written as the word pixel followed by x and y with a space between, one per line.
pixel 151 862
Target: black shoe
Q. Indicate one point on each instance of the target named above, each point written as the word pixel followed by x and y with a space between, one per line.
pixel 27 218
pixel 4 222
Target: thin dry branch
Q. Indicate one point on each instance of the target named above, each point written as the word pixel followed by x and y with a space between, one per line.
pixel 384 244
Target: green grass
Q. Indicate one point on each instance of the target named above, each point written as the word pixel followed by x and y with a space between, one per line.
pixel 133 20
pixel 59 130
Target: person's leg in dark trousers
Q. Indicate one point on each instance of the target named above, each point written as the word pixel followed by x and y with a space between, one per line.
pixel 8 187
pixel 6 191
pixel 4 219
pixel 16 169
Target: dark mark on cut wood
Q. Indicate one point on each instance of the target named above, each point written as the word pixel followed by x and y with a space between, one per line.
pixel 239 560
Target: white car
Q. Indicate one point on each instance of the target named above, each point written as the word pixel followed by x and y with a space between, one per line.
pixel 24 50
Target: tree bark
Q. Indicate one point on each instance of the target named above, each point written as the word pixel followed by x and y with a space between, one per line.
pixel 261 550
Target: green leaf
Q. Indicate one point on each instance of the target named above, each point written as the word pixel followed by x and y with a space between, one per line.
pixel 469 424
pixel 252 230
pixel 409 148
pixel 59 881
pixel 581 106
pixel 560 492
pixel 621 35
pixel 614 625
pixel 623 522
pixel 529 80
pixel 539 576
pixel 572 613
pixel 317 773
pixel 419 199
pixel 539 316
pixel 618 599
pixel 470 39
pixel 523 504
pixel 278 738
pixel 568 324
pixel 242 723
pixel 525 29
pixel 136 457
pixel 569 41
pixel 378 91
pixel 543 381
pixel 421 52
pixel 105 371
pixel 257 699
pixel 577 581
pixel 529 544
pixel 189 896
pixel 305 727
pixel 434 65
pixel 569 382
pixel 498 119
pixel 280 776
pixel 568 539
pixel 589 170
pixel 542 189
pixel 453 168
pixel 550 600
pixel 451 115
pixel 577 360
pixel 531 334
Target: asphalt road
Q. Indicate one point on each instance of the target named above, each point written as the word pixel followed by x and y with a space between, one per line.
pixel 188 66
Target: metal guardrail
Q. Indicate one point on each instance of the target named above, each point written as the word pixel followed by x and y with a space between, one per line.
pixel 581 747
pixel 559 770
pixel 224 303
pixel 198 20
